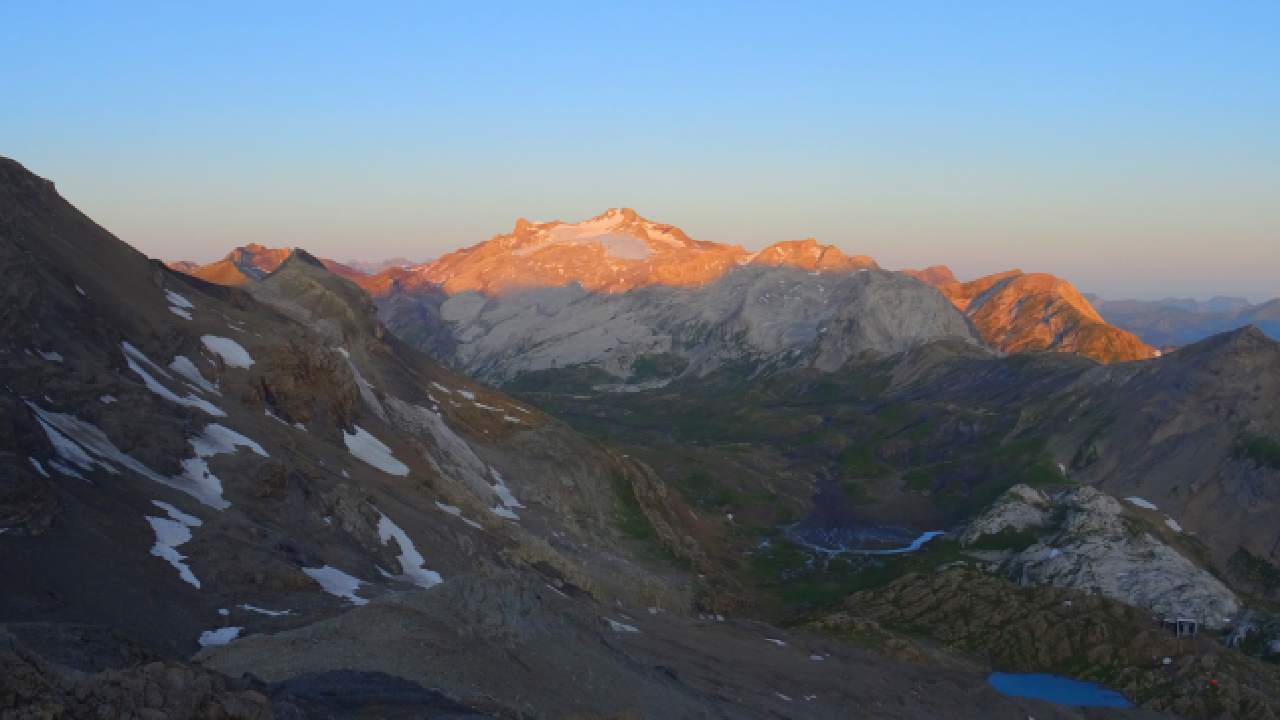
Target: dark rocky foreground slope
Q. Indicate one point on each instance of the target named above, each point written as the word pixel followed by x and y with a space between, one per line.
pixel 347 527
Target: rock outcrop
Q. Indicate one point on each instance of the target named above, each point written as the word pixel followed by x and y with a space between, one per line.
pixel 1020 508
pixel 1100 546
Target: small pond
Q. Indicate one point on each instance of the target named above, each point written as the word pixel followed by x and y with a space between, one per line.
pixel 1056 689
pixel 859 540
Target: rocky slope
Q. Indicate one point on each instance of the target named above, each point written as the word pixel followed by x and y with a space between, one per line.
pixel 232 448
pixel 755 317
pixel 1088 540
pixel 1016 312
pixel 1059 630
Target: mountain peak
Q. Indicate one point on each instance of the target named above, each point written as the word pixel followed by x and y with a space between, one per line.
pixel 809 254
pixel 1016 311
pixel 300 255
pixel 934 275
pixel 622 213
pixel 253 261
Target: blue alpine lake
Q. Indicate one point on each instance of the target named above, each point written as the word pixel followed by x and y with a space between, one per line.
pixel 1056 689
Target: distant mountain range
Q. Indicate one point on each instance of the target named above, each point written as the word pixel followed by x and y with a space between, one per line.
pixel 622 289
pixel 1172 322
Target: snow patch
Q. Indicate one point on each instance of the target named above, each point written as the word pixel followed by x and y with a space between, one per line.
pixel 1139 502
pixel 619 627
pixel 51 356
pixel 412 564
pixel 221 636
pixel 365 387
pixel 451 455
pixel 170 533
pixel 1173 524
pixel 371 450
pixel 188 370
pixel 457 512
pixel 184 314
pixel 136 359
pixel 335 582
pixel 509 501
pixel 85 446
pixel 196 478
pixel 229 350
pixel 65 470
pixel 178 300
pixel 776 641
pixel 39 468
pixel 264 611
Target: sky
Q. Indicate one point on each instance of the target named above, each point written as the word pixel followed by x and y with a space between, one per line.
pixel 1133 148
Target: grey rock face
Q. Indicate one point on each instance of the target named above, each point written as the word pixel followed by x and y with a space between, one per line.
pixel 766 317
pixel 1100 549
pixel 1021 507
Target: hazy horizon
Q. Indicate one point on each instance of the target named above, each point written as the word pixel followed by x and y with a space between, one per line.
pixel 1129 150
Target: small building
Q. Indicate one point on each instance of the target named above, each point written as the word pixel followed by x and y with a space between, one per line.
pixel 1181 627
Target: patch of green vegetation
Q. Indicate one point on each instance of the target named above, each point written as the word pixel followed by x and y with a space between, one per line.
pixel 1261 449
pixel 804 582
pixel 856 492
pixel 808 438
pixel 631 518
pixel 1085 456
pixel 860 461
pixel 635 524
pixel 965 485
pixel 701 489
pixel 1254 570
pixel 1020 359
pixel 1007 539
pixel 920 479
pixel 573 379
pixel 657 366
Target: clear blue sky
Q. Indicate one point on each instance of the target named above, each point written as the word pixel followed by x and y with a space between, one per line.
pixel 1132 147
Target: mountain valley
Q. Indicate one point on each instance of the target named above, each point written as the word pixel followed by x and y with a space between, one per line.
pixel 605 470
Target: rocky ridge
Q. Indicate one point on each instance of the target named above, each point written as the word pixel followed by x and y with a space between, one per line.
pixel 1089 541
pixel 1017 312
